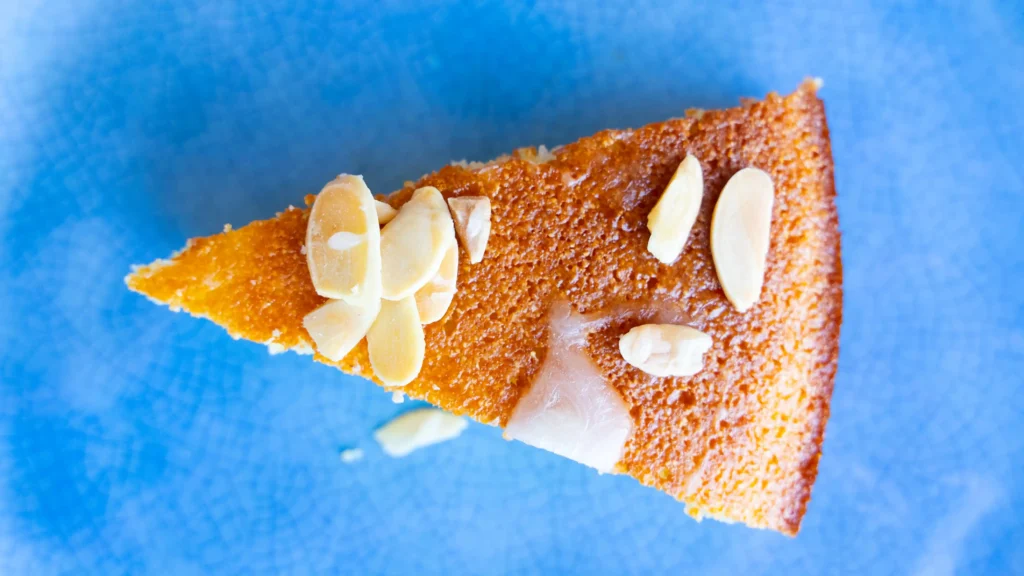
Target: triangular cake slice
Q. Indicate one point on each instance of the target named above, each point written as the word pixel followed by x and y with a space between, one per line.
pixel 738 441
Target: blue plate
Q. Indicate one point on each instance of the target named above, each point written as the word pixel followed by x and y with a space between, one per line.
pixel 137 441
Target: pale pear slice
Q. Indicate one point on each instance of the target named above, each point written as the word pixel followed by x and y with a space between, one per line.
pixel 740 229
pixel 343 242
pixel 570 408
pixel 418 429
pixel 472 215
pixel 396 342
pixel 673 216
pixel 433 299
pixel 665 349
pixel 413 244
pixel 385 213
pixel 337 326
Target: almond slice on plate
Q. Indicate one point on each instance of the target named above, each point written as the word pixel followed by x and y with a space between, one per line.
pixel 740 229
pixel 472 215
pixel 665 349
pixel 343 242
pixel 433 299
pixel 418 429
pixel 385 213
pixel 673 216
pixel 396 342
pixel 413 244
pixel 337 326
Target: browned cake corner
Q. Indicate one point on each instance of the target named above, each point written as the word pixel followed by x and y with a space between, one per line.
pixel 740 440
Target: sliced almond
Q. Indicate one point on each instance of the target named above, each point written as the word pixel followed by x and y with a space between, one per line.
pixel 337 326
pixel 665 349
pixel 385 213
pixel 433 299
pixel 740 238
pixel 413 244
pixel 343 242
pixel 417 429
pixel 396 342
pixel 673 216
pixel 472 216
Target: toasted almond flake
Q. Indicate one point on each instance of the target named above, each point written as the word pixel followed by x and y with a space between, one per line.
pixel 396 342
pixel 665 349
pixel 343 242
pixel 673 216
pixel 337 326
pixel 385 213
pixel 472 215
pixel 414 243
pixel 434 298
pixel 740 228
pixel 418 429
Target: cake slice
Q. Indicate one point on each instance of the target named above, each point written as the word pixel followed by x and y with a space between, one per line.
pixel 740 439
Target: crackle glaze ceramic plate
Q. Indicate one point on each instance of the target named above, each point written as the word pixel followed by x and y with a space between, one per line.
pixel 141 442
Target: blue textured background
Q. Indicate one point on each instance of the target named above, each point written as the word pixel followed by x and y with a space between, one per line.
pixel 133 440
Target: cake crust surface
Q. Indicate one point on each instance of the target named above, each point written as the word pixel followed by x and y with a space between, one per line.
pixel 738 441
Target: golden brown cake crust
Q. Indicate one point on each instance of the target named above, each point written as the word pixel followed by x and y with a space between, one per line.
pixel 738 441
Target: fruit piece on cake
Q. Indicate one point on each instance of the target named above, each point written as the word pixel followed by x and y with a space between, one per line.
pixel 662 302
